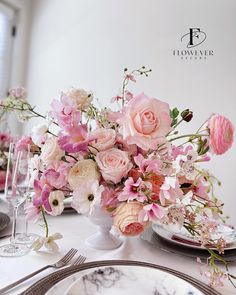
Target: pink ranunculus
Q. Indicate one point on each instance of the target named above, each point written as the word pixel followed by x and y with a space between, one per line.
pixel 145 122
pixel 221 134
pixel 114 164
pixel 105 139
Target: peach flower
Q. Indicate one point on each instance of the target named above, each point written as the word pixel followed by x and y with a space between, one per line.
pixel 114 164
pixel 145 122
pixel 105 138
pixel 83 171
pixel 126 219
pixel 51 151
pixel 221 134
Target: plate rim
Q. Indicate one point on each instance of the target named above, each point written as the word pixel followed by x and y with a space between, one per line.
pixel 43 285
pixel 167 238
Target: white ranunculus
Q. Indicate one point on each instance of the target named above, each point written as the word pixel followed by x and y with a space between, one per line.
pixel 81 172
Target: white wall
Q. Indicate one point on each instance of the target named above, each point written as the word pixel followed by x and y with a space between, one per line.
pixel 87 43
pixel 20 52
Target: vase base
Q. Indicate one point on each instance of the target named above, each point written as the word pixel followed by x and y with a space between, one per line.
pixel 103 242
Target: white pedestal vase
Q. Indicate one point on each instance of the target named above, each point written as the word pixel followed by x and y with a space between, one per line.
pixel 103 239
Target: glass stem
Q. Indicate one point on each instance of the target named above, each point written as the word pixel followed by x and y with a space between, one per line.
pixel 26 227
pixel 13 234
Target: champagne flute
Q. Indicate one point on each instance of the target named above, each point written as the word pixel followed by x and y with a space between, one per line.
pixel 15 197
pixel 28 192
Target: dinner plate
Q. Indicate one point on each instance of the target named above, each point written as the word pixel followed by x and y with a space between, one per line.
pixel 58 283
pixel 123 280
pixel 185 239
pixel 4 220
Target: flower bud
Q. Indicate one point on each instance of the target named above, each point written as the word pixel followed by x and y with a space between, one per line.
pixel 187 115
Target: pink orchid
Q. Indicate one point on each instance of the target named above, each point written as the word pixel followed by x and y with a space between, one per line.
pixel 42 192
pixel 76 140
pixel 180 150
pixel 32 212
pixel 142 163
pixel 149 164
pixel 151 212
pixel 132 191
pixel 130 77
pixel 55 178
pixel 66 113
pixel 128 95
pixel 201 188
pixel 116 98
pixel 170 191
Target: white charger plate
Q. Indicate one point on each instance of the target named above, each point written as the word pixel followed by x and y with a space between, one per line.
pixel 166 233
pixel 60 281
pixel 123 280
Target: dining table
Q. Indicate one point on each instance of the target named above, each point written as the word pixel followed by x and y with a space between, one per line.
pixel 75 229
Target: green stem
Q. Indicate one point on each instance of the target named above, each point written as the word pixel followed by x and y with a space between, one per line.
pixel 45 221
pixel 188 135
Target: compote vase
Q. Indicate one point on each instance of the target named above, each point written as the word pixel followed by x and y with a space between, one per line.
pixel 103 239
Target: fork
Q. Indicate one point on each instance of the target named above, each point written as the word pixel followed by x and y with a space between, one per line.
pixel 79 260
pixel 60 263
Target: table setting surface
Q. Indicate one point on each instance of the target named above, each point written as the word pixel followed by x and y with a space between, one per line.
pixel 76 229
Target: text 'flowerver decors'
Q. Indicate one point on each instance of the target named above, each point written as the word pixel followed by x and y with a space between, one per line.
pixel 126 162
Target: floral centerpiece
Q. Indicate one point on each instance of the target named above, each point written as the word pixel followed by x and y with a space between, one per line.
pixel 133 163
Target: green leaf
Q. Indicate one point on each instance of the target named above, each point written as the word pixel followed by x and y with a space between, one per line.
pixel 174 113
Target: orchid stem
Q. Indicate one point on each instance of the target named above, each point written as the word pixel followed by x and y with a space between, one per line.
pixel 45 221
pixel 188 135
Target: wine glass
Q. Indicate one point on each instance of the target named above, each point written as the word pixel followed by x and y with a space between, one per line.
pixel 28 192
pixel 16 176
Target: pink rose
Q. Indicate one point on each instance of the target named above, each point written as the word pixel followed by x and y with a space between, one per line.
pixel 145 122
pixel 126 219
pixel 221 134
pixel 114 164
pixel 105 139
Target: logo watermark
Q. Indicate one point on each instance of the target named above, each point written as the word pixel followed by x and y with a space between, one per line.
pixel 192 47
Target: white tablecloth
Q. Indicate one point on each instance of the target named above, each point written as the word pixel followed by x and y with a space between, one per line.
pixel 75 229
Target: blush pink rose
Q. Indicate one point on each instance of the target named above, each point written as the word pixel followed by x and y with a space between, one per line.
pixel 105 138
pixel 126 219
pixel 221 134
pixel 145 122
pixel 51 151
pixel 114 164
